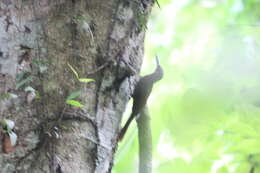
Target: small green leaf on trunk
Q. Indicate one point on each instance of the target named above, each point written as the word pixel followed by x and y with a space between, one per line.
pixel 74 103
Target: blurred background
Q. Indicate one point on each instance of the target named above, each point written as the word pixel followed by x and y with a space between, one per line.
pixel 206 110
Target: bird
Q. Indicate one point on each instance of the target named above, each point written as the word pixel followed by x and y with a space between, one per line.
pixel 140 95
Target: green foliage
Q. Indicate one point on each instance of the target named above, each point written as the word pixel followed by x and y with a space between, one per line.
pixel 205 111
pixel 22 75
pixel 5 96
pixel 83 80
pixel 74 103
pixel 70 99
pixel 80 18
pixel 23 78
pixel 23 82
pixel 41 64
pixel 7 125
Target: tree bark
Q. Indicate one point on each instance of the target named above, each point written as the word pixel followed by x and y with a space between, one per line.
pixel 39 40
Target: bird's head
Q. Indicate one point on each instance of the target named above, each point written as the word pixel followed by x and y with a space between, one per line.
pixel 158 73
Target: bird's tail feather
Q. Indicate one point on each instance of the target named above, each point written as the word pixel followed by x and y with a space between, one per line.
pixel 124 129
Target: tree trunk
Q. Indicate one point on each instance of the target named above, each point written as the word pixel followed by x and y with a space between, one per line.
pixel 45 48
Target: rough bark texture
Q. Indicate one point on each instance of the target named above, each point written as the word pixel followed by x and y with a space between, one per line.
pixel 38 39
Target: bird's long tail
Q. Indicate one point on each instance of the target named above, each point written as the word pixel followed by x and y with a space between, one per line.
pixel 124 129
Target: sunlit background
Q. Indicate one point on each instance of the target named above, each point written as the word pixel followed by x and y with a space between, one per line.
pixel 206 110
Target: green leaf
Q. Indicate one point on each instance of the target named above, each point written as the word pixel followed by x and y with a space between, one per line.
pixel 38 96
pixel 39 62
pixel 20 76
pixel 13 95
pixel 9 123
pixel 24 81
pixel 86 80
pixel 7 96
pixel 74 95
pixel 4 96
pixel 81 19
pixel 74 71
pixel 74 103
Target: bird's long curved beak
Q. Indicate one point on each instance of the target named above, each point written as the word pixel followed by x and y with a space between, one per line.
pixel 157 60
